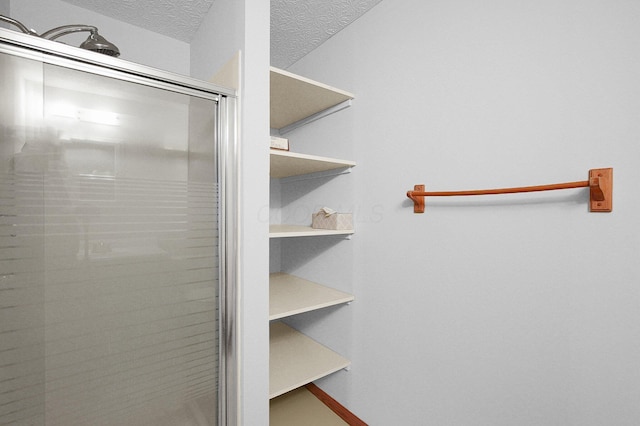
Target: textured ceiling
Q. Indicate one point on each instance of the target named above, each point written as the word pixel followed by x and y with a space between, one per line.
pixel 297 26
pixel 179 19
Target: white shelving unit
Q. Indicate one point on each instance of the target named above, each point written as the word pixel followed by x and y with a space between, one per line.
pixel 291 295
pixel 295 360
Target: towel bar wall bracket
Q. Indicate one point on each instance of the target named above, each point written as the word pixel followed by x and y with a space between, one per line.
pixel 600 186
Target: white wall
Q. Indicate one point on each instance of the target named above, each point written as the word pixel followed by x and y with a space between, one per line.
pixel 232 26
pixel 135 44
pixel 509 310
pixel 6 11
pixel 219 37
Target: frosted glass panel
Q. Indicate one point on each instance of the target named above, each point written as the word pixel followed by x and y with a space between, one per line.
pixel 108 250
pixel 22 336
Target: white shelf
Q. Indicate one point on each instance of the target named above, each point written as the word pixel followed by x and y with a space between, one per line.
pixel 301 407
pixel 287 231
pixel 286 163
pixel 294 98
pixel 291 295
pixel 295 360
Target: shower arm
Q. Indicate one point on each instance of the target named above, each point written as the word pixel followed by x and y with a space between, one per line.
pixel 18 24
pixel 54 33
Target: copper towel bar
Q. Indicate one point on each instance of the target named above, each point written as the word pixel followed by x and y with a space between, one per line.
pixel 600 186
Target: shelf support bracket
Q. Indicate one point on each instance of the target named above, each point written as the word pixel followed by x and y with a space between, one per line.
pixel 316 116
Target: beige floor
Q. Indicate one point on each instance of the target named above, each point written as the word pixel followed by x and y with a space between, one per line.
pixel 301 408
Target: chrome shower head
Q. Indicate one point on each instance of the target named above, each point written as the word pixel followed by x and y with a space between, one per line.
pixel 96 43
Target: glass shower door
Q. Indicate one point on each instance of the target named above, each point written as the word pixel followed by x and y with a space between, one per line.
pixel 108 250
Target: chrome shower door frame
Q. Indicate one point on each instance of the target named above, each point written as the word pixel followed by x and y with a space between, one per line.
pixel 49 52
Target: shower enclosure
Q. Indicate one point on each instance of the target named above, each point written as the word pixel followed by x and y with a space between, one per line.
pixel 116 241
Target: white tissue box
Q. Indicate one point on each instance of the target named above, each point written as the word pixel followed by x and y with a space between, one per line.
pixel 279 143
pixel 335 221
